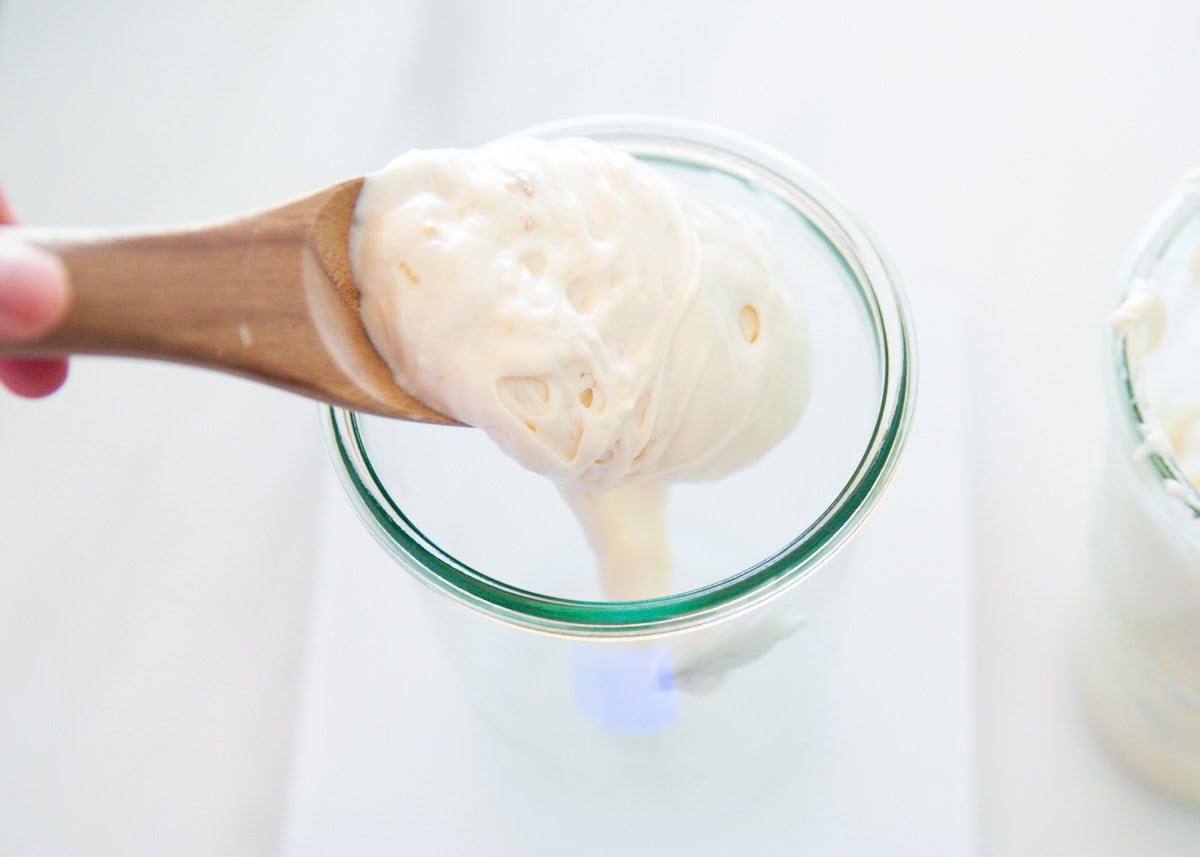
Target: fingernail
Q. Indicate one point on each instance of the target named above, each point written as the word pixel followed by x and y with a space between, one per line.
pixel 33 291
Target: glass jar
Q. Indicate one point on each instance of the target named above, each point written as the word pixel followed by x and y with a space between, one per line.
pixel 669 710
pixel 1140 641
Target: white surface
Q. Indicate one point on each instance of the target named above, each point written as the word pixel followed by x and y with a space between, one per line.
pixel 1009 150
pixel 390 748
pixel 150 637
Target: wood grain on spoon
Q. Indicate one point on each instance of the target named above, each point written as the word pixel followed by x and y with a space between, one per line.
pixel 268 296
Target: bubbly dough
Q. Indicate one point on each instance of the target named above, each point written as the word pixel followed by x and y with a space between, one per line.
pixel 608 328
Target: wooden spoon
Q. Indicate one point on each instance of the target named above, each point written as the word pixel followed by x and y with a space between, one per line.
pixel 268 296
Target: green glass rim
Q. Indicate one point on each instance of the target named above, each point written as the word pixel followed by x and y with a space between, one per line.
pixel 883 299
pixel 1133 413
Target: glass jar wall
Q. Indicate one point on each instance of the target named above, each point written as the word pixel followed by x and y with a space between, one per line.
pixel 656 711
pixel 1140 641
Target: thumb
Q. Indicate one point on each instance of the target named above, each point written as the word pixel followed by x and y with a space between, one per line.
pixel 33 291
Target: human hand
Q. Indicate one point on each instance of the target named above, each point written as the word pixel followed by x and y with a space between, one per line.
pixel 33 298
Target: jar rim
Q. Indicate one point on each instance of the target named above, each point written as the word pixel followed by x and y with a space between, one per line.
pixel 1155 467
pixel 892 327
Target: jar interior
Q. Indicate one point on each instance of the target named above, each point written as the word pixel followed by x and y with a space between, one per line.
pixel 1170 371
pixel 1158 359
pixel 505 523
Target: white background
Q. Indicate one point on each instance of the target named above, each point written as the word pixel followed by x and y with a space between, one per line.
pixel 1005 153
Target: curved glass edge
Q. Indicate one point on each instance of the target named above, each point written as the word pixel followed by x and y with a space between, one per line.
pixel 771 577
pixel 1154 468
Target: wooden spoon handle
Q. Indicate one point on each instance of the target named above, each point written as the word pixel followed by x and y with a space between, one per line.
pixel 268 297
pixel 184 295
pixel 192 295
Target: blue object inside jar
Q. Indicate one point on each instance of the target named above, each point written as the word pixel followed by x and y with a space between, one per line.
pixel 627 689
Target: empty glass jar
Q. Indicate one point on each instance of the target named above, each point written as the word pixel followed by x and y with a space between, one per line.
pixel 672 709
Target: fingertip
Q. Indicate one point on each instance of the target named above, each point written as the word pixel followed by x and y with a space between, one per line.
pixel 34 291
pixel 33 378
